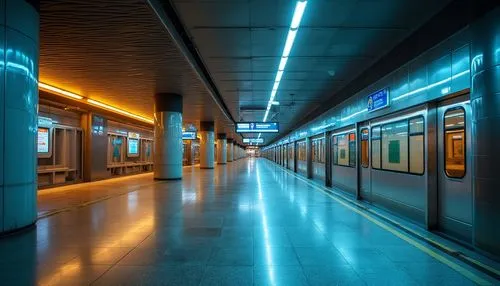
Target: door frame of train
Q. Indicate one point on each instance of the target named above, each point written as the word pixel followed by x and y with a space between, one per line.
pixel 361 126
pixel 451 225
pixel 431 214
pixel 328 159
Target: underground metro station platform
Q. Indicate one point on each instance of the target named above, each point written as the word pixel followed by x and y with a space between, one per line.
pixel 248 223
pixel 249 142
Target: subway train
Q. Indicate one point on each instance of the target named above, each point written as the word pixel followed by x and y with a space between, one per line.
pixel 402 144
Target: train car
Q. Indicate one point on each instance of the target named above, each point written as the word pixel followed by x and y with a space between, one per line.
pixel 413 155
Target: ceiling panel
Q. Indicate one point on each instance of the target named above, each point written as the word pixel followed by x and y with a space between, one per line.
pixel 117 52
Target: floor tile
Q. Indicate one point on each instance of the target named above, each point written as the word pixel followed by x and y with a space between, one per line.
pixel 227 275
pixel 279 275
pixel 232 256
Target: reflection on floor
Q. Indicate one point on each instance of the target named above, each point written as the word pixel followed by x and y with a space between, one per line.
pixel 245 223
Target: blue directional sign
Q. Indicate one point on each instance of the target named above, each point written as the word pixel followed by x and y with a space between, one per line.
pixel 257 127
pixel 378 100
pixel 189 135
pixel 253 140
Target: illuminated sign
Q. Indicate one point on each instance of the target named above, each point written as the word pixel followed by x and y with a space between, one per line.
pixel 43 140
pixel 253 140
pixel 132 147
pixel 378 100
pixel 134 135
pixel 189 135
pixel 257 127
pixel 44 121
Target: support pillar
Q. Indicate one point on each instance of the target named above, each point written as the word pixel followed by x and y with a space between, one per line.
pixel 230 155
pixel 168 136
pixel 485 101
pixel 19 53
pixel 207 145
pixel 221 149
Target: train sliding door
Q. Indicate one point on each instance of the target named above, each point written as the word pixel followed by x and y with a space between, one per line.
pixel 454 169
pixel 302 158
pixel 291 156
pixel 318 158
pixel 364 162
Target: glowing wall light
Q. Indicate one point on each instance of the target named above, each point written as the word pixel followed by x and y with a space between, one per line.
pixel 62 92
pixel 58 91
pixel 120 111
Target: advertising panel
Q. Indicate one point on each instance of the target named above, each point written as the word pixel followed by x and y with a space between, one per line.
pixel 43 140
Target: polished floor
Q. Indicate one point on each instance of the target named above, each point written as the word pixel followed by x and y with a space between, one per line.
pixel 246 223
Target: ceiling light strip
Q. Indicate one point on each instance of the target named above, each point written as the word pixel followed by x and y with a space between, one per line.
pixel 53 89
pixel 62 92
pixel 292 33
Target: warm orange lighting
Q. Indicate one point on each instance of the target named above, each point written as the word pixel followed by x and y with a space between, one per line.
pixel 123 112
pixel 46 87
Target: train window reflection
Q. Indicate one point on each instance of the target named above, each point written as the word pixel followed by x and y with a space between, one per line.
pixel 301 146
pixel 364 148
pixel 395 146
pixel 352 149
pixel 318 148
pixel 417 145
pixel 454 142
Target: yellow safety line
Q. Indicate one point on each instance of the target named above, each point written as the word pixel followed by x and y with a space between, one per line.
pixel 465 272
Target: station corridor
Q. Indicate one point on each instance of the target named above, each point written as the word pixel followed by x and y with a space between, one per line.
pixel 247 223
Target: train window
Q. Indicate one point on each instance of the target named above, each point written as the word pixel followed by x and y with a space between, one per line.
pixel 376 147
pixel 364 148
pixel 342 150
pixel 416 141
pixel 352 149
pixel 318 150
pixel 301 146
pixel 454 146
pixel 395 146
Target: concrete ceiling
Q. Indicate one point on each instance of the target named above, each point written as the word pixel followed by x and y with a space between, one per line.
pixel 118 52
pixel 241 42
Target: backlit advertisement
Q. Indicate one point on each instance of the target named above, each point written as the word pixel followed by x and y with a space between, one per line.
pixel 43 140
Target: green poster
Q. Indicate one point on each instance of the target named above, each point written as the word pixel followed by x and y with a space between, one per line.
pixel 394 152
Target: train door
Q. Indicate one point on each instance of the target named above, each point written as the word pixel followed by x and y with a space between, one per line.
pixel 364 162
pixel 454 168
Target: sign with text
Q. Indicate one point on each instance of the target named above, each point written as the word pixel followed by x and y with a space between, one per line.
pixel 189 135
pixel 253 140
pixel 134 135
pixel 378 100
pixel 257 127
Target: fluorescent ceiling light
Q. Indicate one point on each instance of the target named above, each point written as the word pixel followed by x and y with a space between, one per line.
pixel 297 15
pixel 276 85
pixel 275 103
pixel 289 43
pixel 279 75
pixel 282 64
pixel 292 33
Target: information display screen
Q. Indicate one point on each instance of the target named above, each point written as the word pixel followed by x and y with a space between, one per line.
pixel 189 135
pixel 43 140
pixel 133 147
pixel 257 127
pixel 253 140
